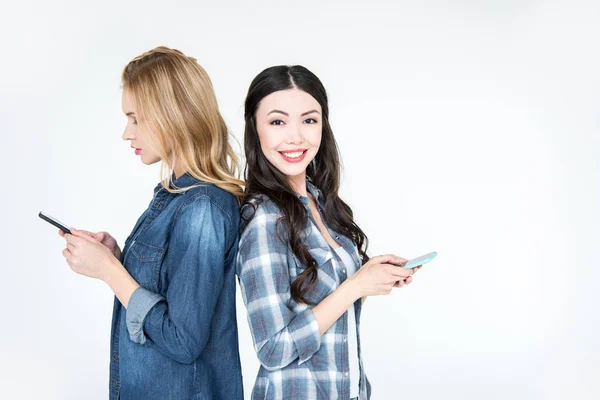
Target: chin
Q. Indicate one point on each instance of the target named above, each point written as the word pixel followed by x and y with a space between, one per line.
pixel 293 171
pixel 150 161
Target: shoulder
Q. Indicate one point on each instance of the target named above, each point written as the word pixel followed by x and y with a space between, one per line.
pixel 262 238
pixel 261 224
pixel 209 196
pixel 259 210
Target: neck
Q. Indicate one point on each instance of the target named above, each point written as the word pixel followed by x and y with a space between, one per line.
pixel 298 183
pixel 178 170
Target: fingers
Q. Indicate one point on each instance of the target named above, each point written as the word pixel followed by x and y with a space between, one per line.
pixel 83 234
pixel 415 269
pixel 61 233
pixel 403 282
pixel 402 261
pixel 398 271
pixel 78 241
pixel 388 259
pixel 100 236
pixel 67 254
pixel 72 239
pixel 97 236
pixel 387 289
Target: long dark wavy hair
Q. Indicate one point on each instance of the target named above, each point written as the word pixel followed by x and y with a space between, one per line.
pixel 324 172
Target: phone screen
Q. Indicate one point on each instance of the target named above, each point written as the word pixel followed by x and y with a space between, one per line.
pixel 54 222
pixel 424 259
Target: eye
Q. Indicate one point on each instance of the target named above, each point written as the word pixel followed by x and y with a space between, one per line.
pixel 134 122
pixel 276 122
pixel 310 121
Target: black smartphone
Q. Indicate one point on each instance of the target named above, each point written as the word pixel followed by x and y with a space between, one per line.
pixel 54 222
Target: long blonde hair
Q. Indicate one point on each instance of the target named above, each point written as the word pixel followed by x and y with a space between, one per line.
pixel 176 102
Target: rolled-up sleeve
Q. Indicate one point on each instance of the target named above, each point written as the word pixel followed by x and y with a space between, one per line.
pixel 178 324
pixel 140 303
pixel 280 334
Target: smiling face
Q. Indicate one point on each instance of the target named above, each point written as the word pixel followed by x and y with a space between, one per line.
pixel 138 135
pixel 289 127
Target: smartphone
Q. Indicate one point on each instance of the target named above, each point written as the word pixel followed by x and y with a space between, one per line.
pixel 424 259
pixel 54 222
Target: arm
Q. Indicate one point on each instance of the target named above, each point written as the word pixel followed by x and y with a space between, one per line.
pixel 178 325
pixel 89 255
pixel 336 304
pixel 280 334
pixel 121 283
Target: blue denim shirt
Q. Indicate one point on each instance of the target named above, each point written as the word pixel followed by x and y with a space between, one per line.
pixel 178 337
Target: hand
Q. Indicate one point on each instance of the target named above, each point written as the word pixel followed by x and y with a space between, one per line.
pixel 88 256
pixel 103 237
pixel 408 280
pixel 380 274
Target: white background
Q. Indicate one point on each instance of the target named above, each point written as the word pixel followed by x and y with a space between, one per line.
pixel 468 127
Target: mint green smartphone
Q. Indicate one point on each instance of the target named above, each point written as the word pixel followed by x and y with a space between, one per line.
pixel 415 262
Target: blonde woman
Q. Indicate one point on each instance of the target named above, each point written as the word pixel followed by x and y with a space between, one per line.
pixel 174 332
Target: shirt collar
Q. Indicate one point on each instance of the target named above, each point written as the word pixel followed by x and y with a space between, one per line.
pixel 314 191
pixel 183 181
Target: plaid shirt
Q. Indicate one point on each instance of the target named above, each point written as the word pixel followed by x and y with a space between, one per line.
pixel 296 361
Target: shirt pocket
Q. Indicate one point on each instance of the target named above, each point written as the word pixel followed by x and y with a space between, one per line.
pixel 327 278
pixel 144 262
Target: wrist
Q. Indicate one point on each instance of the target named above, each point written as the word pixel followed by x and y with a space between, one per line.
pixel 353 287
pixel 112 271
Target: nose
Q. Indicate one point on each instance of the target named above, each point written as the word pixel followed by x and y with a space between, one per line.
pixel 127 134
pixel 295 135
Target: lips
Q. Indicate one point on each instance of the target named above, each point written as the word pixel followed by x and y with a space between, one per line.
pixel 137 151
pixel 293 156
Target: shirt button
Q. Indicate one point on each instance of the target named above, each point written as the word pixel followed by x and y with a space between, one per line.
pixel 345 374
pixel 116 356
pixel 344 270
pixel 157 205
pixel 116 383
pixel 345 339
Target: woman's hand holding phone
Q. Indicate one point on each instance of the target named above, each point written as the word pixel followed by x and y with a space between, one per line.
pixel 87 256
pixel 380 274
pixel 103 237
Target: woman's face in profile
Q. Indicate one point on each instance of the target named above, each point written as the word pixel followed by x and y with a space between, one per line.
pixel 289 127
pixel 137 134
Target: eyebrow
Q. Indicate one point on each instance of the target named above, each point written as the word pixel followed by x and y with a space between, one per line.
pixel 280 112
pixel 130 114
pixel 287 115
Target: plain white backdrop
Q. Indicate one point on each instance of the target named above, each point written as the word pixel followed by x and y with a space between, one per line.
pixel 470 128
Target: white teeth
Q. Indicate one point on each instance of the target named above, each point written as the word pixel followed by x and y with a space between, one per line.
pixel 294 155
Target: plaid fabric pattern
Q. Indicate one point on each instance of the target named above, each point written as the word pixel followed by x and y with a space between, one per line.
pixel 296 361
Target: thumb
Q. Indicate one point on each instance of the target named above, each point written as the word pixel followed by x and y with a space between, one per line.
pixel 385 259
pixel 99 236
pixel 83 234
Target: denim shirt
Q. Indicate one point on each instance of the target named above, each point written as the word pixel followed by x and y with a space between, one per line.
pixel 178 337
pixel 297 362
